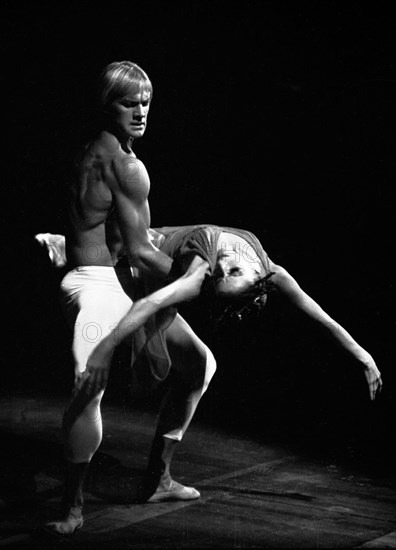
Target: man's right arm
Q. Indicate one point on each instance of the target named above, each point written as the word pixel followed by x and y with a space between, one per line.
pixel 130 199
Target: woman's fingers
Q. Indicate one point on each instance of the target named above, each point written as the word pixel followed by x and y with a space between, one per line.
pixel 95 381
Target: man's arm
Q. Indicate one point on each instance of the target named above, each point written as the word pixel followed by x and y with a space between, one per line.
pixel 130 198
pixel 289 288
pixel 184 289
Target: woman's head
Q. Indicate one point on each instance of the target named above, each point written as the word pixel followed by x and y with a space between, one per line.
pixel 119 79
pixel 240 288
pixel 239 284
pixel 234 278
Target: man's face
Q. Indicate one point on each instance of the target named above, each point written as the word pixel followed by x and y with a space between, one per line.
pixel 129 113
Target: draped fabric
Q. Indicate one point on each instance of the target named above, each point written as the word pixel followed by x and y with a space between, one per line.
pixel 183 243
pixel 149 350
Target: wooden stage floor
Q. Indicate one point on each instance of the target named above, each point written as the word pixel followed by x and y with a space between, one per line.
pixel 254 493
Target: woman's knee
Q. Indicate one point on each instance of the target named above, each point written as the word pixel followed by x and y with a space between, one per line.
pixel 201 373
pixel 210 367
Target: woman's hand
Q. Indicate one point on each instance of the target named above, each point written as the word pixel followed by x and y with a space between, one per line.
pixel 95 377
pixel 291 290
pixel 373 377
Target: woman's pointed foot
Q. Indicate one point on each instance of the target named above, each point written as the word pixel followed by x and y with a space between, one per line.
pixel 172 490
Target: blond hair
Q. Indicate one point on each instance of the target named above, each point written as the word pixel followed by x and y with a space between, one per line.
pixel 120 78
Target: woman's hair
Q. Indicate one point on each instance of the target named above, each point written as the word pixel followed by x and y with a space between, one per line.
pixel 120 78
pixel 237 307
pixel 256 300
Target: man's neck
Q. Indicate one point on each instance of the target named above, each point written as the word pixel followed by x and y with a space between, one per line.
pixel 126 142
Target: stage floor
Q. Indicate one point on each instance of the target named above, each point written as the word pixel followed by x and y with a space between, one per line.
pixel 254 493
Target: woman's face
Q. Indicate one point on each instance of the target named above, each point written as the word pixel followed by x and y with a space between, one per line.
pixel 233 275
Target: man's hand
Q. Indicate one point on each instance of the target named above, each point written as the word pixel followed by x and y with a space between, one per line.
pixel 373 377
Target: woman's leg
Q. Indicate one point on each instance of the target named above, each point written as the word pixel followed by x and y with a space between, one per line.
pixel 194 366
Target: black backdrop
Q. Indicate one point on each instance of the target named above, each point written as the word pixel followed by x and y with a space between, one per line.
pixel 276 117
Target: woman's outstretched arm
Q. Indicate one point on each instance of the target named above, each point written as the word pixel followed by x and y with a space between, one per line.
pixel 184 289
pixel 289 288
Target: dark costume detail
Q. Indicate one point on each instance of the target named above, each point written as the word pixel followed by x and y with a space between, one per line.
pixel 184 243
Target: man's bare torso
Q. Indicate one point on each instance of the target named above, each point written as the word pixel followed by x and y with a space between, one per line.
pixel 94 236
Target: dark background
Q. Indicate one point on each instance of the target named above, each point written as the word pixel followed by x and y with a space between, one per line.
pixel 277 117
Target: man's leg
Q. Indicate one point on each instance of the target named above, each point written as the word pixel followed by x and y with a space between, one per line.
pixel 100 304
pixel 194 365
pixel 82 428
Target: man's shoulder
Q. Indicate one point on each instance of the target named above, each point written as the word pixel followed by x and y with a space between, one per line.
pixel 117 166
pixel 106 145
pixel 109 147
pixel 105 151
pixel 129 170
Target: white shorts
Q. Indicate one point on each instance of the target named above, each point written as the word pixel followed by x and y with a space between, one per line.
pixel 94 299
